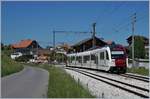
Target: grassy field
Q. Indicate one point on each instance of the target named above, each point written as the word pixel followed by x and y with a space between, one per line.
pixel 139 70
pixel 62 85
pixel 8 66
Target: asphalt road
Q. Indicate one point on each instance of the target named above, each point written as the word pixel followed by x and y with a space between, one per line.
pixel 31 82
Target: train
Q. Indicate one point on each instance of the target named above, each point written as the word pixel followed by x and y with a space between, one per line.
pixel 108 58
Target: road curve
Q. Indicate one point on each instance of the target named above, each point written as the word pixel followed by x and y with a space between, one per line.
pixel 31 82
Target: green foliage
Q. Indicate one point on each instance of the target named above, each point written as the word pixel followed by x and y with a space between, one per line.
pixel 57 56
pixel 139 50
pixel 24 58
pixel 63 85
pixel 2 46
pixel 60 57
pixel 9 66
pixel 7 52
pixel 139 70
pixel 6 47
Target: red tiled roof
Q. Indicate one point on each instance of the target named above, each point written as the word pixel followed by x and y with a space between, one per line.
pixel 22 44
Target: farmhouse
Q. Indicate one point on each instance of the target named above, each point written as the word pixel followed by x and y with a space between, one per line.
pixel 26 47
pixel 86 44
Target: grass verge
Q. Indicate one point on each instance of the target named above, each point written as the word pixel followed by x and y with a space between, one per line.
pixel 8 66
pixel 139 70
pixel 62 85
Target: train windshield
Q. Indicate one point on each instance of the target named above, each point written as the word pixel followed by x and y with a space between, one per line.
pixel 117 54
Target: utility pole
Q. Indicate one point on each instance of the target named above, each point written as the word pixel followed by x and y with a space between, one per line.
pixel 54 45
pixel 37 49
pixel 133 30
pixel 93 36
pixel 54 39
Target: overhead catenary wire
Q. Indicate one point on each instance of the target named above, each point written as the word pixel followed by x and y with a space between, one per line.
pixel 127 24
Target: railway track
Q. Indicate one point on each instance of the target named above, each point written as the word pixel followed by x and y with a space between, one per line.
pixel 139 91
pixel 128 75
pixel 142 78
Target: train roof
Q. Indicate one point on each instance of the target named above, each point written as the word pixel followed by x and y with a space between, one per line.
pixel 111 47
pixel 88 52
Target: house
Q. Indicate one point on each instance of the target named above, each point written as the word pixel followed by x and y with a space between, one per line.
pixel 42 56
pixel 42 59
pixel 87 44
pixel 26 47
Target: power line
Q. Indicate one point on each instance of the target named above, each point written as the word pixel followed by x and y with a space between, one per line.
pixel 127 24
pixel 115 9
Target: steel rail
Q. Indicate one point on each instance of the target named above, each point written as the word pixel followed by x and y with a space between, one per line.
pixel 145 79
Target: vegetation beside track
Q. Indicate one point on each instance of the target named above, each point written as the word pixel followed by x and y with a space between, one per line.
pixel 138 70
pixel 9 66
pixel 62 85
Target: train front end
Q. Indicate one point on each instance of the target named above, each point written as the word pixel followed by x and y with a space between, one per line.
pixel 119 59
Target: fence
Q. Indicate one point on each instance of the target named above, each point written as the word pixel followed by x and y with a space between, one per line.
pixel 140 63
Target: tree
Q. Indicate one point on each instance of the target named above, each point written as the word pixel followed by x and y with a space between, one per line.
pixel 7 47
pixel 2 46
pixel 139 48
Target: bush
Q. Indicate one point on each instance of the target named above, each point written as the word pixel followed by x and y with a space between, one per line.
pixel 139 70
pixel 24 58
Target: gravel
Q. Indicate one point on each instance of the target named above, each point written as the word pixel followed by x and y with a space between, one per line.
pixel 101 89
pixel 123 79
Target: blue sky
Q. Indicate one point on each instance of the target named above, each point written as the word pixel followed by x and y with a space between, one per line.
pixel 37 20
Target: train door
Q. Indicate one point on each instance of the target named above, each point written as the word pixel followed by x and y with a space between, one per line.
pixel 86 61
pixel 106 59
pixel 102 60
pixel 68 60
pixel 96 60
pixel 79 61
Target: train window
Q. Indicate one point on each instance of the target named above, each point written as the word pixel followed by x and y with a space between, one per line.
pixel 69 60
pixel 86 58
pixel 102 55
pixel 72 58
pixel 94 58
pixel 79 59
pixel 117 54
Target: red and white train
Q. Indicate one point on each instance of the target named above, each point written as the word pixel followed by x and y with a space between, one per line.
pixel 108 58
